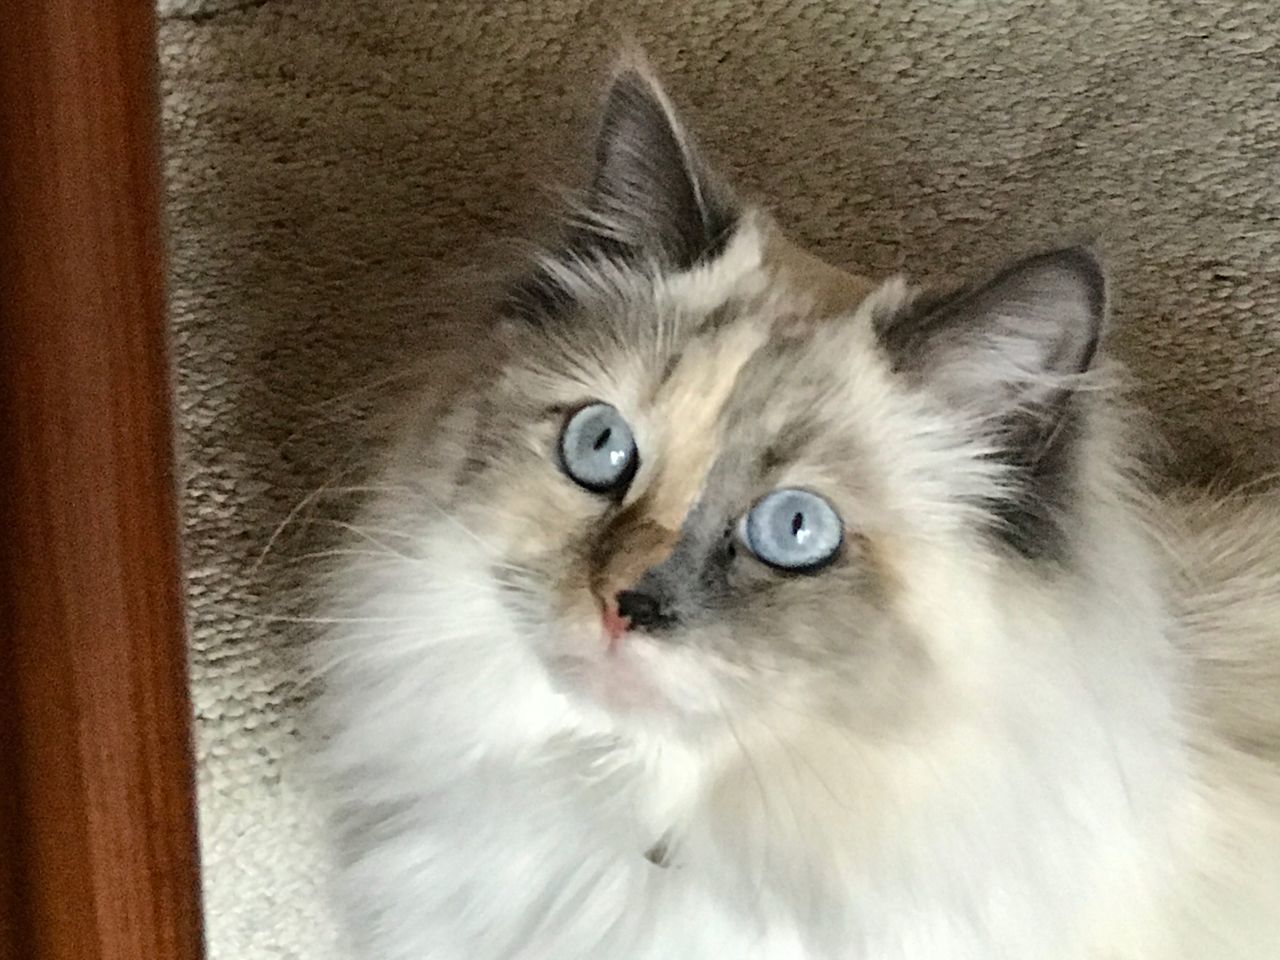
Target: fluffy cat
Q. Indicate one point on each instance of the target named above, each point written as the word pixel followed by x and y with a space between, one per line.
pixel 741 608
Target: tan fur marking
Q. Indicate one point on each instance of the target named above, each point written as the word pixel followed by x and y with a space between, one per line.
pixel 885 558
pixel 689 406
pixel 631 545
pixel 830 289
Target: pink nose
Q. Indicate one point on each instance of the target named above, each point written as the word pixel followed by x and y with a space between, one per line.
pixel 615 624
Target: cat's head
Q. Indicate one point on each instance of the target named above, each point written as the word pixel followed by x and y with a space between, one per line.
pixel 713 473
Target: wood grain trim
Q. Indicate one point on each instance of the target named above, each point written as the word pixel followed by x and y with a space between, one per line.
pixel 97 841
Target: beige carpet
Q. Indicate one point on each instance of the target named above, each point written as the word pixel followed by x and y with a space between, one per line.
pixel 335 166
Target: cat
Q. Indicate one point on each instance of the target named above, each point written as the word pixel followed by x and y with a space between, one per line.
pixel 739 607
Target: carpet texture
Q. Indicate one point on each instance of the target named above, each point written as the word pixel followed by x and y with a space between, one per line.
pixel 337 170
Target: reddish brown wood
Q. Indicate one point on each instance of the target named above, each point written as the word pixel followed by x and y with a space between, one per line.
pixel 97 844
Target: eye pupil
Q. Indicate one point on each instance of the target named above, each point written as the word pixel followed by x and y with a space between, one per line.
pixel 603 438
pixel 797 523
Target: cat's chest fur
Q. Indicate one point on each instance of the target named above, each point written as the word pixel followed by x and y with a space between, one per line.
pixel 501 824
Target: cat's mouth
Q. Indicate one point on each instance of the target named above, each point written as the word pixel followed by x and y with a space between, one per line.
pixel 613 669
pixel 602 657
pixel 631 673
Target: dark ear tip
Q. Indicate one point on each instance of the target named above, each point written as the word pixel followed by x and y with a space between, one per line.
pixel 1087 263
pixel 1082 259
pixel 1083 263
pixel 632 100
pixel 631 78
pixel 1086 260
pixel 626 80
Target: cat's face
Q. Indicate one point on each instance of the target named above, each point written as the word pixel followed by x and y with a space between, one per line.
pixel 714 481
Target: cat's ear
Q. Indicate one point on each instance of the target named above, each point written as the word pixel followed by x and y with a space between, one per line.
pixel 1019 342
pixel 652 195
pixel 1014 353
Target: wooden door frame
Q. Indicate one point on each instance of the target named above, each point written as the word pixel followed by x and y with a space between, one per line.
pixel 98 854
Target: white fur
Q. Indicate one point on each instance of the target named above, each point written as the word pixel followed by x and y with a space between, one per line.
pixel 1072 805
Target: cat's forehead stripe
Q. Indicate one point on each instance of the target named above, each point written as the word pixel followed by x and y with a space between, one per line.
pixel 690 404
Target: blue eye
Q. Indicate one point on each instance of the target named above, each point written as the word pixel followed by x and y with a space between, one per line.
pixel 598 450
pixel 793 530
